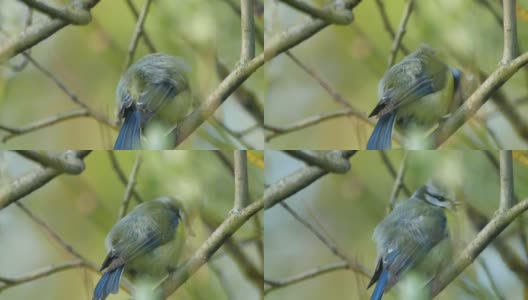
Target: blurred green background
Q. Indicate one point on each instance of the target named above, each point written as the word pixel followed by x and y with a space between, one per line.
pixel 348 207
pixel 82 209
pixel 352 59
pixel 90 59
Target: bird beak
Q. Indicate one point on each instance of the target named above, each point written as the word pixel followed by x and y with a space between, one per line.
pixel 453 204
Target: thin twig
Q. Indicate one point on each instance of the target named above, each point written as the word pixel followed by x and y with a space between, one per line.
pixel 138 31
pixel 121 175
pixel 398 183
pixel 130 186
pixel 308 274
pixel 40 124
pixel 146 36
pixel 308 122
pixel 43 272
pixel 352 263
pixel 61 85
pixel 401 31
pixel 388 26
pixel 392 171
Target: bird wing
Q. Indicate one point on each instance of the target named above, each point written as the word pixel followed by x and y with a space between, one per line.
pixel 142 236
pixel 155 96
pixel 419 232
pixel 410 80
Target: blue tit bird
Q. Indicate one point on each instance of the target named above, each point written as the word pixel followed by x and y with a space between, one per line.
pixel 414 95
pixel 407 234
pixel 151 92
pixel 146 244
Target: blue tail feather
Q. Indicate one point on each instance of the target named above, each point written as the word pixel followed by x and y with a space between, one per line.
pixel 109 283
pixel 381 138
pixel 130 133
pixel 380 286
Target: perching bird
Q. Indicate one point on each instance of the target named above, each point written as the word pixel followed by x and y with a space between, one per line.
pixel 407 234
pixel 149 93
pixel 146 244
pixel 414 95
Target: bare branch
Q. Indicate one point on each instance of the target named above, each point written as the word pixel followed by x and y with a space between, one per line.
pixel 333 15
pixel 295 182
pixel 43 272
pixel 486 236
pixel 276 45
pixel 35 34
pixel 121 175
pixel 231 224
pixel 145 35
pixel 66 162
pixel 401 31
pixel 331 161
pixel 307 122
pixel 61 85
pixel 510 31
pixel 40 124
pixel 477 99
pixel 74 14
pixel 352 263
pixel 247 50
pixel 138 32
pixel 280 283
pixel 506 181
pixel 387 24
pixel 241 180
pixel 29 182
pixel 130 186
pixel 398 183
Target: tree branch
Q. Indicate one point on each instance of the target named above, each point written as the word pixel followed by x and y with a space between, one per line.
pixel 130 186
pixel 401 31
pixel 506 181
pixel 510 31
pixel 477 99
pixel 278 44
pixel 296 181
pixel 241 180
pixel 67 162
pixel 138 32
pixel 247 50
pixel 333 15
pixel 28 183
pixel 35 34
pixel 331 161
pixel 231 224
pixel 487 235
pixel 75 13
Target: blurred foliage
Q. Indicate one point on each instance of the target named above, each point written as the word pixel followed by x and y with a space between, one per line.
pixel 348 207
pixel 82 209
pixel 90 59
pixel 354 58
